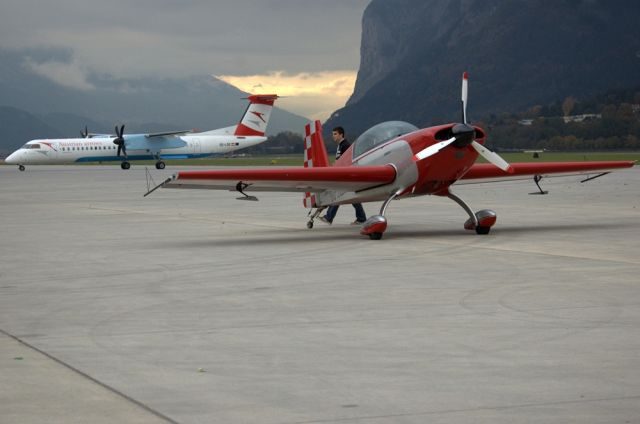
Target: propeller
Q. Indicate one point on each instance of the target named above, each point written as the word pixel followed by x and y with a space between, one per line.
pixel 119 141
pixel 464 135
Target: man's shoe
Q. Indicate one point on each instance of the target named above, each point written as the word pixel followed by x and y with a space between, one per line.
pixel 324 219
pixel 356 222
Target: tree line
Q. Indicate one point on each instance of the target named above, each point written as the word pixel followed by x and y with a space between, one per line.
pixel 616 126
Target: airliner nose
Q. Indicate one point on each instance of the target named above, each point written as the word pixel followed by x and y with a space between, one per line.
pixel 12 159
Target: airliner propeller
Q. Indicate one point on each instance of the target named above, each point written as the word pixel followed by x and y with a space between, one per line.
pixel 464 135
pixel 119 141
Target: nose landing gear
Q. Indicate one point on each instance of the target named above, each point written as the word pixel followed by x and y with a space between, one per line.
pixel 125 165
pixel 21 167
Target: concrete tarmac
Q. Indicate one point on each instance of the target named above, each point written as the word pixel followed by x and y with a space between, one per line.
pixel 189 306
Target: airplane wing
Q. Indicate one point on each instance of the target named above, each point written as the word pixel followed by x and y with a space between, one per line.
pixel 486 172
pixel 163 134
pixel 347 178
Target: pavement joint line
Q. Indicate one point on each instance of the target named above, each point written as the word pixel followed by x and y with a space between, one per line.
pixel 475 409
pixel 90 378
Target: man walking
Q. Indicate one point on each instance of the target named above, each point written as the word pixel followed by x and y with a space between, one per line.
pixel 343 144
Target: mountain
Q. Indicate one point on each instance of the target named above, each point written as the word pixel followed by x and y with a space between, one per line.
pixel 18 126
pixel 518 54
pixel 44 84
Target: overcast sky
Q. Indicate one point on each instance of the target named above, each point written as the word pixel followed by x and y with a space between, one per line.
pixel 252 43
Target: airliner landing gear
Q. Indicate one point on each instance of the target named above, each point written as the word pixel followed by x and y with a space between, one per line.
pixel 21 167
pixel 376 225
pixel 160 165
pixel 125 165
pixel 481 221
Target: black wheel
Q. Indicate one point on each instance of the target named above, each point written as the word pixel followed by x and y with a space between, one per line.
pixel 375 236
pixel 482 230
pixel 125 165
pixel 160 165
pixel 310 224
pixel 21 167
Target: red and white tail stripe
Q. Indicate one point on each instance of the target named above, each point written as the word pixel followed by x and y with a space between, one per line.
pixel 315 155
pixel 256 118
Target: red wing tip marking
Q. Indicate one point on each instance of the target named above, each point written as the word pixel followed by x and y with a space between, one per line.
pixel 465 75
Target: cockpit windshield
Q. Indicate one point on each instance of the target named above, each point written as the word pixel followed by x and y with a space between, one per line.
pixel 31 146
pixel 379 134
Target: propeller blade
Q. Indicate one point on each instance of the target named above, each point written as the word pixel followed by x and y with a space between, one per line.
pixel 465 91
pixel 119 147
pixel 124 150
pixel 121 131
pixel 433 149
pixel 492 157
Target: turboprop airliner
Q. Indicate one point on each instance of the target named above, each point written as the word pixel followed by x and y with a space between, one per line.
pixel 161 146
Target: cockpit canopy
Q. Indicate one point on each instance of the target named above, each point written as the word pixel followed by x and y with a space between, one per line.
pixel 31 146
pixel 379 134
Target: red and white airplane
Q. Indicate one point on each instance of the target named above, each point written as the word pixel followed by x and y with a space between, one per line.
pixel 392 160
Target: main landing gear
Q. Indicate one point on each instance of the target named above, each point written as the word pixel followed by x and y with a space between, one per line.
pixel 481 221
pixel 156 156
pixel 125 165
pixel 21 167
pixel 376 225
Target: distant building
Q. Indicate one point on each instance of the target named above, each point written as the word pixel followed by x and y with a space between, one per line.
pixel 525 122
pixel 582 118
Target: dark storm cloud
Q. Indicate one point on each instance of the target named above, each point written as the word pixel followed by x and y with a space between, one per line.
pixel 177 38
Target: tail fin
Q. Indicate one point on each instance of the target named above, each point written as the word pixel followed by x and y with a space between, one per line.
pixel 256 117
pixel 315 155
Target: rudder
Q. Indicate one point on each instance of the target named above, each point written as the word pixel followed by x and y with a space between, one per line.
pixel 315 155
pixel 256 117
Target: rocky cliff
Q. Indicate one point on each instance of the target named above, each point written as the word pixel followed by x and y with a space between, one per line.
pixel 519 53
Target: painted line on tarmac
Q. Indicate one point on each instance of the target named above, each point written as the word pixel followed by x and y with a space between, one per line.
pixel 88 377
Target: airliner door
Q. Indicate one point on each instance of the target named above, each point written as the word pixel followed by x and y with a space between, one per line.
pixel 197 147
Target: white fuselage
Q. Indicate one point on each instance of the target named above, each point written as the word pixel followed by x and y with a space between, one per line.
pixel 100 149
